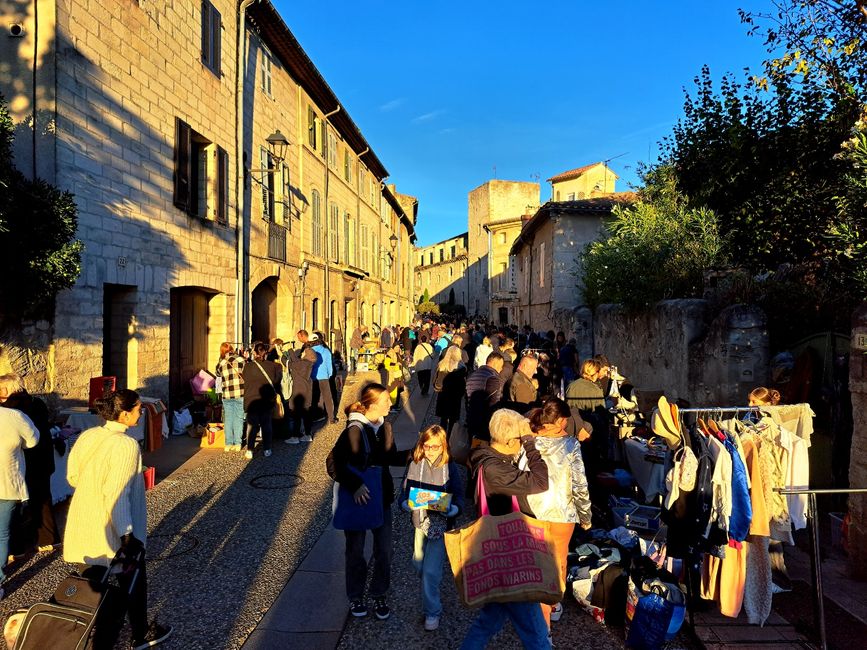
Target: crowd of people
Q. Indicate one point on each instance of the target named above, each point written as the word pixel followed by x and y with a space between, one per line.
pixel 521 421
pixel 529 415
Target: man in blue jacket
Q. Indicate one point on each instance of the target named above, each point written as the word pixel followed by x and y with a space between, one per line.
pixel 321 373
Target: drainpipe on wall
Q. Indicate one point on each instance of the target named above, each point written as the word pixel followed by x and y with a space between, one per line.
pixel 329 325
pixel 358 315
pixel 242 280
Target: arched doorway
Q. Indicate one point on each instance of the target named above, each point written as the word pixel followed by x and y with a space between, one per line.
pixel 264 316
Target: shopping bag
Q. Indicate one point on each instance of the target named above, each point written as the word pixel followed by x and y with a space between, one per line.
pixel 502 559
pixel 650 623
pixel 348 515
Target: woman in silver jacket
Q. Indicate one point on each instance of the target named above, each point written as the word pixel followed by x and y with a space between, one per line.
pixel 567 499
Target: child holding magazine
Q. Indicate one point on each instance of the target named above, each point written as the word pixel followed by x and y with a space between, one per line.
pixel 433 491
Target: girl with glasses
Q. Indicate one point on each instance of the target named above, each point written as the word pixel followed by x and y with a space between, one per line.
pixel 431 469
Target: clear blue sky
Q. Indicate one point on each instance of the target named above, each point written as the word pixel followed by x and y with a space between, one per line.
pixel 446 91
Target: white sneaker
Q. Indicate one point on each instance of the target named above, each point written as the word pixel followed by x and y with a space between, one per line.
pixel 292 441
pixel 306 438
pixel 267 453
pixel 248 454
pixel 556 612
pixel 431 623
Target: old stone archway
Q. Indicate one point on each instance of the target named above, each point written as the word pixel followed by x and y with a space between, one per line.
pixel 264 310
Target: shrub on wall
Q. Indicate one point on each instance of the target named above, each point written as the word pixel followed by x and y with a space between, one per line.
pixel 655 249
pixel 41 256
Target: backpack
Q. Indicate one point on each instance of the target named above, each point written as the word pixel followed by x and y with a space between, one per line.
pixel 330 465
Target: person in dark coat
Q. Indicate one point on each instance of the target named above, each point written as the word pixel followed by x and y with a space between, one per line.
pixel 39 530
pixel 351 455
pixel 503 479
pixel 484 391
pixel 299 364
pixel 261 385
pixel 450 384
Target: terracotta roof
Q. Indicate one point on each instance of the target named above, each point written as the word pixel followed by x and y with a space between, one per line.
pixel 575 173
pixel 590 207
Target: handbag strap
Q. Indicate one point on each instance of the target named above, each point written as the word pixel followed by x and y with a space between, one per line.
pixel 483 497
pixel 262 370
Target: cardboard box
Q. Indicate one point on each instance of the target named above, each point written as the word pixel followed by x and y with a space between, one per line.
pixel 215 437
pixel 643 518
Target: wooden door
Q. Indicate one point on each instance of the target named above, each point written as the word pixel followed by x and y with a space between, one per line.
pixel 188 341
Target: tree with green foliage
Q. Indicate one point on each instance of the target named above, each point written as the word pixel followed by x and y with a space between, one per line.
pixel 428 307
pixel 655 249
pixel 775 158
pixel 424 298
pixel 41 256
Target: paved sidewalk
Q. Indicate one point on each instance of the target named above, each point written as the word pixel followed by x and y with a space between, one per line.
pixel 312 610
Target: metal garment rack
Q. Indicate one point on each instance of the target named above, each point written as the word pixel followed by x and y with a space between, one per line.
pixel 815 558
pixel 721 409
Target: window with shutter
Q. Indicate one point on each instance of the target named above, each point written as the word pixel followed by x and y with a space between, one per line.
pixel 212 30
pixel 347 166
pixel 182 171
pixel 222 186
pixel 311 127
pixel 316 225
pixel 286 199
pixel 266 72
pixel 334 233
pixel 267 162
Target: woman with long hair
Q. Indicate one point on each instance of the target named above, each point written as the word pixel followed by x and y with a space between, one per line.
pixel 230 370
pixel 450 383
pixel 567 499
pixel 366 420
pixel 431 469
pixel 108 512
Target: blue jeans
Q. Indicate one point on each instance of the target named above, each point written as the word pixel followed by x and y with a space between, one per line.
pixel 526 618
pixel 7 507
pixel 427 558
pixel 233 420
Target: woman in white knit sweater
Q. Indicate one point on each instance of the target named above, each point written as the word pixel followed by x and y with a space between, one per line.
pixel 108 512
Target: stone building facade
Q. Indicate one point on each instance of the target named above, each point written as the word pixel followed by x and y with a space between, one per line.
pixel 441 270
pixel 546 256
pixel 496 201
pixel 502 273
pixel 584 182
pixel 196 230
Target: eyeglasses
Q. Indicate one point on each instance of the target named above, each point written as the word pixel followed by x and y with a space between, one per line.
pixel 432 447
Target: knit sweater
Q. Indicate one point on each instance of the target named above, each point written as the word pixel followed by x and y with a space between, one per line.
pixel 16 431
pixel 109 501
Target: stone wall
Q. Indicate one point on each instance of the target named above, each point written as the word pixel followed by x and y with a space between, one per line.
pixel 28 351
pixel 578 324
pixel 682 350
pixel 858 457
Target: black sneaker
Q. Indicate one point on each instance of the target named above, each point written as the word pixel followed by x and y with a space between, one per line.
pixel 358 609
pixel 380 608
pixel 155 635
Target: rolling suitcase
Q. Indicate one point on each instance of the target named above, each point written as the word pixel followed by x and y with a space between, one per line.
pixel 79 608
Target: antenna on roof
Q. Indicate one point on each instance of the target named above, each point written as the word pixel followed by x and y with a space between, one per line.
pixel 535 176
pixel 495 171
pixel 605 163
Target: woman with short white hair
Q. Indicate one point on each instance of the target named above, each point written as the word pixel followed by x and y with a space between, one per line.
pixel 502 479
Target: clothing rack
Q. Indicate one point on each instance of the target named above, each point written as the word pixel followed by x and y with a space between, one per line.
pixel 721 409
pixel 815 558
